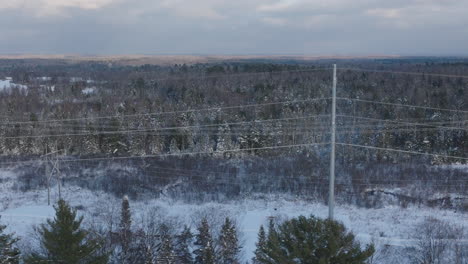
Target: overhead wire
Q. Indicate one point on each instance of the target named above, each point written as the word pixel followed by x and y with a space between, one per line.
pixel 404 105
pixel 241 74
pixel 321 126
pixel 254 105
pixel 105 127
pixel 176 176
pixel 403 151
pixel 165 112
pixel 173 154
pixel 157 129
pixel 405 72
pixel 405 123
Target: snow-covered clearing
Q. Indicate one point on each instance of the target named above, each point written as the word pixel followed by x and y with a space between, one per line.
pixel 385 226
pixel 7 84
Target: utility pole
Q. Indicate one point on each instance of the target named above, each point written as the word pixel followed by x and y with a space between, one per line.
pixel 331 193
pixel 48 170
pixel 56 168
pixel 48 177
pixel 59 176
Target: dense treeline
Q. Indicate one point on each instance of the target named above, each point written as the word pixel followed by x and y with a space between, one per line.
pixel 132 96
pixel 123 91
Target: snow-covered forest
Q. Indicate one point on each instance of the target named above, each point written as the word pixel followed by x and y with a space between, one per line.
pixel 244 140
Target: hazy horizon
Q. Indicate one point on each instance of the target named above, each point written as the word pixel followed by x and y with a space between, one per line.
pixel 228 55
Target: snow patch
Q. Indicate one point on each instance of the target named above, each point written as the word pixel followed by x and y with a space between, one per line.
pixel 88 90
pixel 7 84
pixel 44 78
pixel 76 79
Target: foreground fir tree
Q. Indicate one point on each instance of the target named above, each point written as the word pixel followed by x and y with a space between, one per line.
pixel 260 251
pixel 229 248
pixel 125 232
pixel 310 241
pixel 204 254
pixel 183 246
pixel 9 253
pixel 166 251
pixel 273 245
pixel 65 242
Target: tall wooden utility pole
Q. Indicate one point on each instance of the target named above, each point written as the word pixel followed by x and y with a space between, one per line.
pixel 331 193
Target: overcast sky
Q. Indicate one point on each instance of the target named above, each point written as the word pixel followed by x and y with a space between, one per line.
pixel 310 27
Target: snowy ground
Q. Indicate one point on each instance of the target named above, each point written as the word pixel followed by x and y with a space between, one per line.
pixel 7 84
pixel 386 226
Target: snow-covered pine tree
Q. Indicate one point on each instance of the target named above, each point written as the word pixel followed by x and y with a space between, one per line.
pixel 273 246
pixel 313 240
pixel 228 244
pixel 125 232
pixel 260 251
pixel 166 251
pixel 9 253
pixel 204 254
pixel 64 241
pixel 183 246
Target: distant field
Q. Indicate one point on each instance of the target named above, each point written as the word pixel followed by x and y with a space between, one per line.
pixel 174 59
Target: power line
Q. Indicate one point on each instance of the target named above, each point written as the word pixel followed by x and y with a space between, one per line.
pixel 316 183
pixel 166 112
pixel 408 73
pixel 301 179
pixel 175 154
pixel 87 127
pixel 403 151
pixel 364 128
pixel 213 76
pixel 277 133
pixel 158 129
pixel 105 127
pixel 230 107
pixel 274 131
pixel 404 105
pixel 189 174
pixel 405 123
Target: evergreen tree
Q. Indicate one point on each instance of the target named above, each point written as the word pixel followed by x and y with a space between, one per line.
pixel 166 251
pixel 143 250
pixel 125 232
pixel 260 254
pixel 9 253
pixel 311 241
pixel 183 245
pixel 65 242
pixel 228 244
pixel 149 258
pixel 273 246
pixel 204 254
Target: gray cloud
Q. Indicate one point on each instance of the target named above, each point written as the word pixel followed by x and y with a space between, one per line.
pixel 407 27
